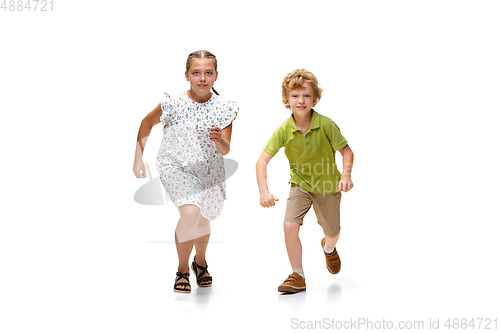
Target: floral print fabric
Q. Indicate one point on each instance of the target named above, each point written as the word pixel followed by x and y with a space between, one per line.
pixel 191 169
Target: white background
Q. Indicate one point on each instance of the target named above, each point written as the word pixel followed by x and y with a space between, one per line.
pixel 413 85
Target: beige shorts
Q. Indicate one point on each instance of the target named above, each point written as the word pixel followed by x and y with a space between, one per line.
pixel 326 206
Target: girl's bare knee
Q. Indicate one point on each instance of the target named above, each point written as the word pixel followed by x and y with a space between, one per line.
pixel 203 221
pixel 189 212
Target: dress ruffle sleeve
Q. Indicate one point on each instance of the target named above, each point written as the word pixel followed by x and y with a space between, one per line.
pixel 227 114
pixel 166 110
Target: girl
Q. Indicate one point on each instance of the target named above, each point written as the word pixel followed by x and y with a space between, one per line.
pixel 197 132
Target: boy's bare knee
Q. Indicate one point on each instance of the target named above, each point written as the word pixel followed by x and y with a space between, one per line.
pixel 291 227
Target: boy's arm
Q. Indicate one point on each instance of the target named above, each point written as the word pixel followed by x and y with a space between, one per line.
pixel 345 183
pixel 266 198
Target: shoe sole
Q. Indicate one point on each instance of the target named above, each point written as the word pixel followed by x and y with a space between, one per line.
pixel 204 285
pixel 332 272
pixel 290 289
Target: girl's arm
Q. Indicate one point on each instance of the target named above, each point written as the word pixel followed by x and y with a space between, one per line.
pixel 222 138
pixel 147 124
pixel 345 183
pixel 266 198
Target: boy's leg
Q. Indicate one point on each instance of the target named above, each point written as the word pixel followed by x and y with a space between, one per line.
pixel 295 281
pixel 331 242
pixel 333 263
pixel 298 204
pixel 293 244
pixel 327 209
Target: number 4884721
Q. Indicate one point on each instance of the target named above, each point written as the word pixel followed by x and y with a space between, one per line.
pixel 27 5
pixel 474 323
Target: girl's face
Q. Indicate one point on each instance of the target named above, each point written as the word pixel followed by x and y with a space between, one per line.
pixel 301 100
pixel 201 75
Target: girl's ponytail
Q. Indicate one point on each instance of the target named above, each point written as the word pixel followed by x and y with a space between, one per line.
pixel 215 91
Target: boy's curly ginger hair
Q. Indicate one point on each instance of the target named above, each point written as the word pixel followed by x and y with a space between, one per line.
pixel 295 80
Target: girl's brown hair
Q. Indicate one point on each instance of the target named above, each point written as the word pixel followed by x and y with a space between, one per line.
pixel 201 54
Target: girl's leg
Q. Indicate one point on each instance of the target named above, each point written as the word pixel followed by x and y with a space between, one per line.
pixel 186 227
pixel 201 242
pixel 293 244
pixel 185 236
pixel 202 238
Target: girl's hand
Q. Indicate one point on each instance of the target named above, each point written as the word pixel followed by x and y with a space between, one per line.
pixel 138 167
pixel 215 134
pixel 345 184
pixel 267 199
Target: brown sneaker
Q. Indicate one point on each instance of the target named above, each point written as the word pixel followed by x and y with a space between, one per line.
pixel 293 284
pixel 332 259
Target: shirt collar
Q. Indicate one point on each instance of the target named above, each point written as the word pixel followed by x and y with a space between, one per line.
pixel 314 122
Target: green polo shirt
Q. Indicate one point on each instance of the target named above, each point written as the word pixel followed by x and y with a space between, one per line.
pixel 311 155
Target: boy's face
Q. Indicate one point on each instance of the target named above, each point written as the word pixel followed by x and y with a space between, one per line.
pixel 301 100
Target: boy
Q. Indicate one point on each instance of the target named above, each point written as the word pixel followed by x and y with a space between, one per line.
pixel 310 142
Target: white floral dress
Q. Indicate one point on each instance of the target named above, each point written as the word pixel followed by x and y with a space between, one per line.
pixel 191 169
